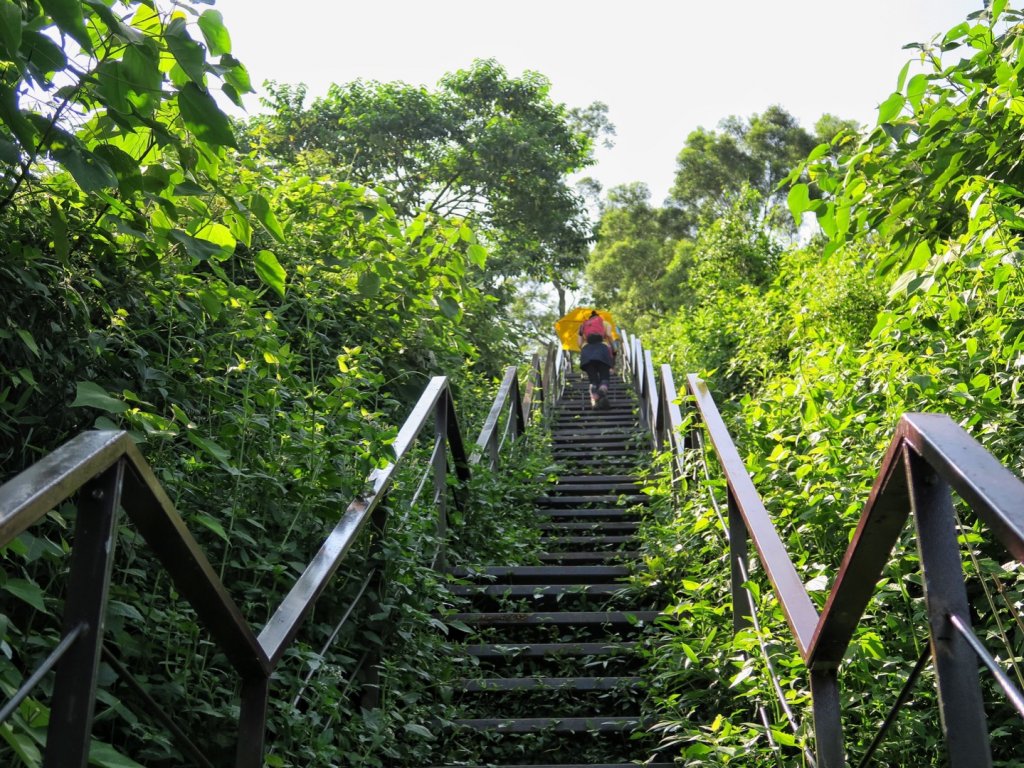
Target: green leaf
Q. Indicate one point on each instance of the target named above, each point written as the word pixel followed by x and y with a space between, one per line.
pixel 369 284
pixel 478 255
pixel 88 394
pixel 14 118
pixel 103 755
pixel 204 118
pixel 187 52
pixel 214 525
pixel 67 14
pixel 916 89
pixel 265 215
pixel 196 247
pixel 798 200
pixel 59 232
pixel 28 591
pixel 22 746
pixel 419 730
pixel 890 108
pixel 10 28
pixel 28 340
pixel 209 447
pixel 449 307
pixel 89 171
pixel 211 23
pixel 270 271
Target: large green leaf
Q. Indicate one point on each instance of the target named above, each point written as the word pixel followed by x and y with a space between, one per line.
pixel 26 590
pixel 197 247
pixel 10 28
pixel 214 32
pixel 369 284
pixel 90 171
pixel 88 394
pixel 103 755
pixel 270 271
pixel 798 200
pixel 187 52
pixel 67 14
pixel 260 206
pixel 204 118
pixel 890 108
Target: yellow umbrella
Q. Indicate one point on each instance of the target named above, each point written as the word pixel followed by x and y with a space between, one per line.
pixel 568 326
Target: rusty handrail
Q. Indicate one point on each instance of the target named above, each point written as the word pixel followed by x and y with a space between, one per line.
pixel 929 457
pixel 108 473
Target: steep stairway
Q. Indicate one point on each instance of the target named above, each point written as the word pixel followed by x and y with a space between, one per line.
pixel 552 649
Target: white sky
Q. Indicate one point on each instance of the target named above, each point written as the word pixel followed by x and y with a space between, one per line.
pixel 663 67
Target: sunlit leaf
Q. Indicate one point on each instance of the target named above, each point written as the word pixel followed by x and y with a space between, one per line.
pixel 211 23
pixel 204 118
pixel 270 271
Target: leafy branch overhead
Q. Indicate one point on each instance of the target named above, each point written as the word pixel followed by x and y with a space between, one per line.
pixel 127 110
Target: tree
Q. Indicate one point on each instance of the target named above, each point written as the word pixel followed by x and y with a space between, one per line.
pixel 759 152
pixel 635 245
pixel 491 148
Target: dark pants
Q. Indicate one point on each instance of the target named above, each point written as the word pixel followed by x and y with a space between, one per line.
pixel 598 373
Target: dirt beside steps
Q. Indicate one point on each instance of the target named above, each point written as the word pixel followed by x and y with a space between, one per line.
pixel 556 681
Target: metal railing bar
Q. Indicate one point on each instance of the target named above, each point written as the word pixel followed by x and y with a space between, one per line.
pixel 423 481
pixel 770 667
pixel 992 602
pixel 334 633
pixel 153 514
pixel 800 613
pixel 901 700
pixel 282 627
pixel 48 663
pixel 56 477
pixel 711 494
pixel 881 522
pixel 494 416
pixel 991 490
pixel 1012 693
pixel 418 418
pixel 156 710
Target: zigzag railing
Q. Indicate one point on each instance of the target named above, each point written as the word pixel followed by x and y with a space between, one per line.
pixel 929 458
pixel 108 474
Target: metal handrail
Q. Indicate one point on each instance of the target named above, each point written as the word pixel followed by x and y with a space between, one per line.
pixel 108 473
pixel 929 457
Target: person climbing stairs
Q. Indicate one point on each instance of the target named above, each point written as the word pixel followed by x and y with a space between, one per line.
pixel 553 646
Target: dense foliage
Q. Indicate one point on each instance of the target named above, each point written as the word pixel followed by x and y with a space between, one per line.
pixel 911 299
pixel 647 264
pixel 260 328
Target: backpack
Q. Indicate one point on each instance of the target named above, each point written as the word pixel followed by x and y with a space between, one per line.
pixel 593 326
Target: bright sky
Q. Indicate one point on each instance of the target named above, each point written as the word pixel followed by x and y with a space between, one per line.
pixel 663 67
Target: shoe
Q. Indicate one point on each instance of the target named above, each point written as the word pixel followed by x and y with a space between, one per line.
pixel 603 403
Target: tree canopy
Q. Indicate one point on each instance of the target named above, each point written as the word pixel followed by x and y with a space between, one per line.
pixel 485 146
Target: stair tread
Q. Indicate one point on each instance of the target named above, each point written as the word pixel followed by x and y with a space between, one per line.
pixel 537 650
pixel 489 684
pixel 544 571
pixel 556 617
pixel 598 723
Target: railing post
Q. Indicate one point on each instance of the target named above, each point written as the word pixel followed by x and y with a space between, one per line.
pixel 828 723
pixel 252 722
pixel 961 707
pixel 441 475
pixel 741 609
pixel 74 694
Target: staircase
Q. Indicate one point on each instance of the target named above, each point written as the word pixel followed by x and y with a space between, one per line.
pixel 553 646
